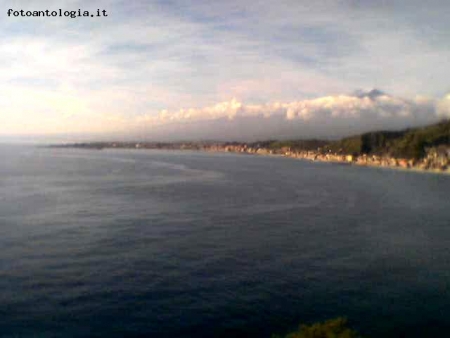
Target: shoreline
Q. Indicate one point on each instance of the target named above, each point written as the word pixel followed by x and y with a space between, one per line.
pixel 347 163
pixel 430 164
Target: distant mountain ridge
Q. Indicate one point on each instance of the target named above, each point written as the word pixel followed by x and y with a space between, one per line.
pixel 410 143
pixel 372 94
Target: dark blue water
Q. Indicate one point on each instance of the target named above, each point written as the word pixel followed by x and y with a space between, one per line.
pixel 184 244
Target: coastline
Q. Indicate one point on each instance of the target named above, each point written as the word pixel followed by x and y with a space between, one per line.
pixel 349 162
pixel 432 163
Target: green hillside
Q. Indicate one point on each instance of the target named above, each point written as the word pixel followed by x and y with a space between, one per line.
pixel 410 143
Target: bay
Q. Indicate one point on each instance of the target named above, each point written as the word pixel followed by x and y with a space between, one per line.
pixel 124 243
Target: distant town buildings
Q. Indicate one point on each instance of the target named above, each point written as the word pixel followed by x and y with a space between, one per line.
pixel 435 159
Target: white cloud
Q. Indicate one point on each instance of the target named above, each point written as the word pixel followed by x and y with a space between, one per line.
pixel 323 117
pixel 331 107
pixel 443 107
pixel 150 58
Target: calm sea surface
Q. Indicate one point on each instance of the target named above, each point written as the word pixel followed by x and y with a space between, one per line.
pixel 124 243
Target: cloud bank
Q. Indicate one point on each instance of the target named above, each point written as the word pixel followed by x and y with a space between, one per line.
pixel 323 117
pixel 131 72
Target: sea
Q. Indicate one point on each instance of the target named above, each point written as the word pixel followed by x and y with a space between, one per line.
pixel 155 243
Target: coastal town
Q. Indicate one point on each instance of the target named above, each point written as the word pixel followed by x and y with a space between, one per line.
pixel 420 149
pixel 436 159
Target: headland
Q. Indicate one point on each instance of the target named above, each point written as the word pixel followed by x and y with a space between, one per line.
pixel 419 149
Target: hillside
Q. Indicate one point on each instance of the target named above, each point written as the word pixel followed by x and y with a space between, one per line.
pixel 410 143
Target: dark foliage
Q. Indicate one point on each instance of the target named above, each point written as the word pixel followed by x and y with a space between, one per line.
pixel 333 328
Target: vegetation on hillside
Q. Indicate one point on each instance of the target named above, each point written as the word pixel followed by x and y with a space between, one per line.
pixel 409 143
pixel 333 328
pixel 414 142
pixel 293 145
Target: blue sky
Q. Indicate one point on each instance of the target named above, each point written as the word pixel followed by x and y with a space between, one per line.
pixel 230 63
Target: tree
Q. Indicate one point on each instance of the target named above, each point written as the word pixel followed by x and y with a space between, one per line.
pixel 333 328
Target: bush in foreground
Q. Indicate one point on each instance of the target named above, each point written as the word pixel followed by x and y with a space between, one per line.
pixel 333 328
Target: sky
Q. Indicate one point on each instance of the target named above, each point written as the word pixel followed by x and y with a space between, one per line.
pixel 241 70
